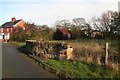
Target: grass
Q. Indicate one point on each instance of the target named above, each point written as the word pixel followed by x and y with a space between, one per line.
pixel 83 69
pixel 114 45
pixel 19 43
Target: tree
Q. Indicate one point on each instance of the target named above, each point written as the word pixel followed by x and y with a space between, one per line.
pixel 75 32
pixel 76 26
pixel 19 34
pixel 62 23
pixel 108 23
pixel 32 32
pixel 80 23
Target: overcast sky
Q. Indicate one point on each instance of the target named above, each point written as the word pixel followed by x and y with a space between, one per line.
pixel 48 11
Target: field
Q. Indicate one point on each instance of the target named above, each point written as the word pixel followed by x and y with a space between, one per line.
pixel 114 45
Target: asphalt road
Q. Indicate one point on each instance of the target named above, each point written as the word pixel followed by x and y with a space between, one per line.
pixel 18 65
pixel 0 60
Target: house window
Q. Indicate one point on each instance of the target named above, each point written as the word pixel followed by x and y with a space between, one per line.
pixel 23 28
pixel 1 29
pixel 7 29
pixel 11 29
pixel 1 36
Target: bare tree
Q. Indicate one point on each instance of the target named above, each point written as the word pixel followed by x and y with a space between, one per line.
pixel 109 23
pixel 63 23
pixel 80 23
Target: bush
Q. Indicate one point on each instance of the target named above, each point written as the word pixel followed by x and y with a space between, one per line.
pixel 89 53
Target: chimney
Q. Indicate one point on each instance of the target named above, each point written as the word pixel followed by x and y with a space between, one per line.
pixel 13 19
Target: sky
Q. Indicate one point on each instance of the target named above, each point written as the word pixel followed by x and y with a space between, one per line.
pixel 47 12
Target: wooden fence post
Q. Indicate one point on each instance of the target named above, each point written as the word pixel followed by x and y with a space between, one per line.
pixel 106 54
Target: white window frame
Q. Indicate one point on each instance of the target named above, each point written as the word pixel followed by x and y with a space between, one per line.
pixel 1 29
pixel 11 29
pixel 7 29
pixel 23 28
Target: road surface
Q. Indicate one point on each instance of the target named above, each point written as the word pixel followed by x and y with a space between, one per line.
pixel 18 65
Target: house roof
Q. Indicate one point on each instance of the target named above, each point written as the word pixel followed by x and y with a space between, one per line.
pixel 10 24
pixel 65 31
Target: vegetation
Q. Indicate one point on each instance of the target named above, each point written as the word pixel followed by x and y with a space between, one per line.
pixel 104 27
pixel 32 32
pixel 83 70
pixel 93 51
pixel 108 24
pixel 113 44
pixel 87 48
pixel 19 43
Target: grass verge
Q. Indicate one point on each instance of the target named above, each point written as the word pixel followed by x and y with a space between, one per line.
pixel 83 70
pixel 19 43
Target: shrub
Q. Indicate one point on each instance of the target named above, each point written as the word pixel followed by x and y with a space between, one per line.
pixel 90 53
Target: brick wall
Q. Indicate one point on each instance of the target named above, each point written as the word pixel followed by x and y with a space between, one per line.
pixel 20 24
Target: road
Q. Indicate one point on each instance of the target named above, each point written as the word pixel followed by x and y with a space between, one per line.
pixel 18 65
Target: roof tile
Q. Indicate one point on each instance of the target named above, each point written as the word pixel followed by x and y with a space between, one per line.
pixel 10 24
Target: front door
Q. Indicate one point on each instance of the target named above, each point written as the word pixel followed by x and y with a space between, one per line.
pixel 6 36
pixel 3 36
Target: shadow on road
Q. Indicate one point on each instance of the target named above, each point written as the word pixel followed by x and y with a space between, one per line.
pixel 23 50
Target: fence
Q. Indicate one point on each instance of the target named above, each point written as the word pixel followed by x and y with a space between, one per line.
pixel 95 53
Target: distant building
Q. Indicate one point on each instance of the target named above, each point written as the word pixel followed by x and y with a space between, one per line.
pixel 95 33
pixel 92 33
pixel 119 6
pixel 62 34
pixel 6 30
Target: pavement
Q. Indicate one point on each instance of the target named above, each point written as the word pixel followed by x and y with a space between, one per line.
pixel 17 65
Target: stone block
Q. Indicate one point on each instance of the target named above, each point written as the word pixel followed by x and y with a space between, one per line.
pixel 50 49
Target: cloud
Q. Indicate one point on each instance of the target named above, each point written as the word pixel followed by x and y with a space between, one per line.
pixel 48 11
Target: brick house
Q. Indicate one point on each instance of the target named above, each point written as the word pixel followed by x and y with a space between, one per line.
pixel 6 30
pixel 62 34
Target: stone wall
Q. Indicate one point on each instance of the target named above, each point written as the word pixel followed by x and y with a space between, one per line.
pixel 50 49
